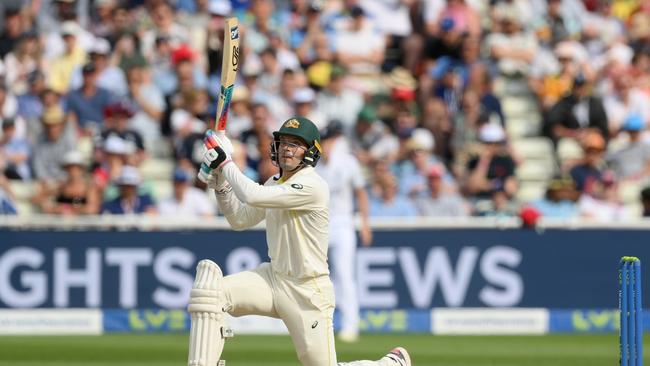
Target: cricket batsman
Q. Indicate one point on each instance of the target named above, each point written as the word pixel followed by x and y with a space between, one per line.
pixel 294 285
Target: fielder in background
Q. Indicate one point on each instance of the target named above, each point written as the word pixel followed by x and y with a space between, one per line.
pixel 295 285
pixel 342 172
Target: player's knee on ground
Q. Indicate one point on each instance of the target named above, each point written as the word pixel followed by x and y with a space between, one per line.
pixel 206 304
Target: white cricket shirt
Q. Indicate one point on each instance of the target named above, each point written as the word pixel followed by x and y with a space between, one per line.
pixel 296 213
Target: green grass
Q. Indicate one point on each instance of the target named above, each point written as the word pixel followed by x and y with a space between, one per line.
pixel 426 350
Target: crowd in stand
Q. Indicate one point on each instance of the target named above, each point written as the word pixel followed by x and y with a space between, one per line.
pixel 90 90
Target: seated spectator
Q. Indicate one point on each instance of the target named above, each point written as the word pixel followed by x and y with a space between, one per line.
pixel 560 199
pixel 109 76
pixel 576 112
pixel 493 168
pixel 56 139
pixel 15 152
pixel 117 124
pixel 239 117
pixel 372 140
pixel 500 204
pixel 589 171
pixel 338 102
pixel 148 103
pixel 385 201
pixel 304 106
pixel 633 160
pixel 439 201
pixel 7 205
pixel 512 47
pixel 30 105
pixel 602 203
pixel 645 201
pixel 186 201
pixel 86 104
pixel 23 60
pixel 76 195
pixel 129 201
pixel 60 71
pixel 191 115
pixel 413 170
pixel 258 138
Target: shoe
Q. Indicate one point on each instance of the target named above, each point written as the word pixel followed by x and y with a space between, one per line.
pixel 348 337
pixel 399 356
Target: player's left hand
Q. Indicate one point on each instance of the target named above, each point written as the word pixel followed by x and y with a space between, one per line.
pixel 218 151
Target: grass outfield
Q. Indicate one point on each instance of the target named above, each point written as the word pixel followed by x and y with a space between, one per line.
pixel 426 350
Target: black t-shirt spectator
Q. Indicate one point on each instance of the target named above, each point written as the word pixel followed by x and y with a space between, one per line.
pixel 501 167
pixel 191 149
pixel 7 43
pixel 585 176
pixel 131 136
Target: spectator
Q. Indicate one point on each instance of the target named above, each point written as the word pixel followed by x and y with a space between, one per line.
pixel 384 198
pixel 7 205
pixel 303 101
pixel 56 139
pixel 21 61
pixel 645 201
pixel 499 205
pixel 588 172
pixel 13 28
pixel 76 195
pixel 148 102
pixel 633 160
pixel 239 117
pixel 129 201
pixel 164 25
pixel 339 103
pixel 60 72
pixel 440 201
pixel 372 140
pixel 117 124
pixel 186 201
pixel 86 105
pixel 189 118
pixel 560 199
pixel 512 47
pixel 109 76
pixel 15 152
pixel 30 105
pixel 602 202
pixel 258 138
pixel 492 172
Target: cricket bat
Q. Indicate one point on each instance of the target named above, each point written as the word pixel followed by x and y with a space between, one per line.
pixel 229 67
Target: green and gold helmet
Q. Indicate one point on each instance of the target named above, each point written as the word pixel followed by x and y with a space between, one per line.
pixel 304 129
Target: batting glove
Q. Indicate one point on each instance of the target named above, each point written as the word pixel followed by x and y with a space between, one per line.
pixel 218 151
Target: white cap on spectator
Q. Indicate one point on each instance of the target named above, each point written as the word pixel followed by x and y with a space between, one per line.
pixel 219 7
pixel 620 53
pixel 100 3
pixel 421 139
pixel 118 146
pixel 304 95
pixel 101 47
pixel 69 28
pixel 129 176
pixel 73 157
pixel 492 133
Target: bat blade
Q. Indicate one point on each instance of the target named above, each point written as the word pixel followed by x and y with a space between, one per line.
pixel 229 67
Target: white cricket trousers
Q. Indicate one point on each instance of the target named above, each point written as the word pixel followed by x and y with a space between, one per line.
pixel 305 306
pixel 343 256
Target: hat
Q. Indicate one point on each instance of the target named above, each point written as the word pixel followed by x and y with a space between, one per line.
pixel 356 11
pixel 593 140
pixel 334 128
pixel 72 157
pixel 565 49
pixel 436 171
pixel 121 108
pixel 564 181
pixel 53 115
pixel 180 175
pixel 129 176
pixel 507 12
pixel 118 146
pixel 182 53
pixel 401 78
pixel 7 122
pixel 367 114
pixel 100 3
pixel 338 71
pixel 304 95
pixel 300 127
pixel 315 6
pixel 69 28
pixel 219 7
pixel 88 68
pixel 492 133
pixel 447 24
pixel 421 139
pixel 100 47
pixel 633 122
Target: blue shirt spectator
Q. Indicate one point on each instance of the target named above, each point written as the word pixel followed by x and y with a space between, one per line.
pixel 88 102
pixel 129 201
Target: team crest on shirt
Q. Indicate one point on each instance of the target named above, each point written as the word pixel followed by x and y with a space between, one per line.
pixel 296 186
pixel 292 123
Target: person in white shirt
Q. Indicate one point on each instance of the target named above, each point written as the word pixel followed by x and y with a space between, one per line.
pixel 294 285
pixel 186 201
pixel 343 173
